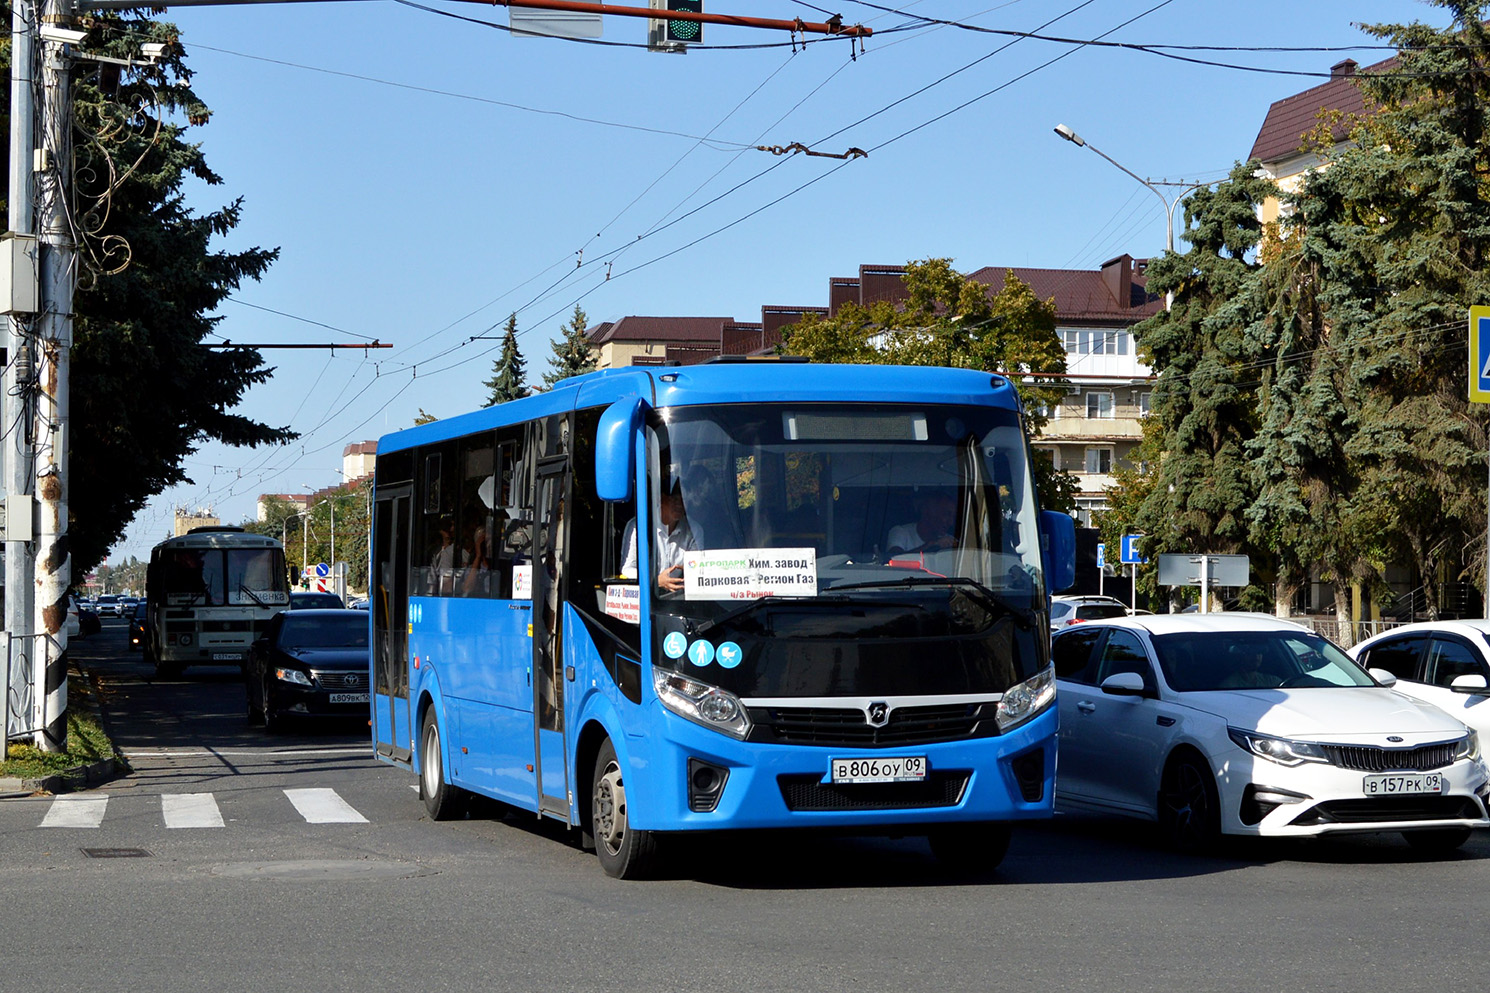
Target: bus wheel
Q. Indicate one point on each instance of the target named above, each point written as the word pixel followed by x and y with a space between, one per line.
pixel 977 847
pixel 443 800
pixel 625 852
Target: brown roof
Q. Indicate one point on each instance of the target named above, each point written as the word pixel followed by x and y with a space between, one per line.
pixel 360 448
pixel 1081 295
pixel 1289 119
pixel 679 329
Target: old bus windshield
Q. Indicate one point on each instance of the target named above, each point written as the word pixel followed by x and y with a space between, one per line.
pixel 214 577
pixel 925 514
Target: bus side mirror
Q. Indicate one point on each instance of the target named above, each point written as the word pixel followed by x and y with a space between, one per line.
pixel 615 449
pixel 1058 549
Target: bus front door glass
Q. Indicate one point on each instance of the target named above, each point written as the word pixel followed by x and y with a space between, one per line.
pixel 390 608
pixel 548 655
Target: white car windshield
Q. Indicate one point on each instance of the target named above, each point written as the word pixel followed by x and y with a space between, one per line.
pixel 1254 660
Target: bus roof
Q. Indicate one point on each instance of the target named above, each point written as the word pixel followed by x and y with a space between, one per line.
pixel 236 538
pixel 728 382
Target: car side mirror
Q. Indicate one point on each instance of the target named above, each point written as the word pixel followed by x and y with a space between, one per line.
pixel 1383 677
pixel 1124 684
pixel 1469 683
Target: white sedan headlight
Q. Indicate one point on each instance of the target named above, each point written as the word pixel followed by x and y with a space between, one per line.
pixel 1026 700
pixel 701 703
pixel 1467 747
pixel 1284 751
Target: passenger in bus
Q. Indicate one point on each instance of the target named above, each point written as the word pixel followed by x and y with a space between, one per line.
pixel 476 580
pixel 936 515
pixel 673 536
pixel 443 564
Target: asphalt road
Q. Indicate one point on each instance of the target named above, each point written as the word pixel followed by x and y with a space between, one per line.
pixel 279 897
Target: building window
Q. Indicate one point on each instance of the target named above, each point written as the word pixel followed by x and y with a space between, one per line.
pixel 1145 404
pixel 1096 342
pixel 1099 460
pixel 1099 404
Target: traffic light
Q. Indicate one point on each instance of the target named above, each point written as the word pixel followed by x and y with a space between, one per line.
pixel 686 32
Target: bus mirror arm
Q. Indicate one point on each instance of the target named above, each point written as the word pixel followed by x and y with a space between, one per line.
pixel 615 449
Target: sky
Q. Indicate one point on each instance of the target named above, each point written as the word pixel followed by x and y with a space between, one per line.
pixel 424 174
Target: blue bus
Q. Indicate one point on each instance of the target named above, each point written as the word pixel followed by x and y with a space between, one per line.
pixel 780 654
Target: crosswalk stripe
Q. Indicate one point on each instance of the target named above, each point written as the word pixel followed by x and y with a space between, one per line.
pixel 190 810
pixel 323 806
pixel 76 811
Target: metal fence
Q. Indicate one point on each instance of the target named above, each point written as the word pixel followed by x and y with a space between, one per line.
pixel 1347 633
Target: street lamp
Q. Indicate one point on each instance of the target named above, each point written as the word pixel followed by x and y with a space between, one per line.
pixel 1169 204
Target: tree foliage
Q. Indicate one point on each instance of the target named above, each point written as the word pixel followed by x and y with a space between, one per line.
pixel 947 319
pixel 144 392
pixel 571 355
pixel 510 371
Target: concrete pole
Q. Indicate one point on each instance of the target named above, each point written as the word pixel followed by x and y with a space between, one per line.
pixel 53 369
pixel 19 570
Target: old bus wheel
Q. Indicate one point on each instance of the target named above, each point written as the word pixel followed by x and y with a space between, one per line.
pixel 625 852
pixel 443 800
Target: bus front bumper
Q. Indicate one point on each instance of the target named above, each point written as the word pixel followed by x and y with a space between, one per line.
pixel 759 786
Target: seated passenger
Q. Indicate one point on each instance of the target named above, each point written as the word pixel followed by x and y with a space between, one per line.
pixel 931 531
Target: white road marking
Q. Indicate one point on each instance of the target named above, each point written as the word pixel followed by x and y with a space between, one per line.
pixel 76 811
pixel 190 810
pixel 178 753
pixel 323 806
pixel 414 787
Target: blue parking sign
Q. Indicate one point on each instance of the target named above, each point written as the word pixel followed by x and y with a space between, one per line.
pixel 1479 354
pixel 1129 553
pixel 1101 555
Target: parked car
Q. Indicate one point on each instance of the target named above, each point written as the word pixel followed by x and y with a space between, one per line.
pixel 108 605
pixel 136 637
pixel 1214 724
pixel 311 663
pixel 1440 662
pixel 73 625
pixel 312 600
pixel 1068 610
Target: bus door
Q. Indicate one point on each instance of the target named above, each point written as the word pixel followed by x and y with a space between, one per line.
pixel 392 727
pixel 551 479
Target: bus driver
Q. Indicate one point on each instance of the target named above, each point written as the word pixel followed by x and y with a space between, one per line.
pixel 673 537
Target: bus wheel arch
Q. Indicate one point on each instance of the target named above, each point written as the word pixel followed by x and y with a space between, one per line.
pixel 625 852
pixel 586 752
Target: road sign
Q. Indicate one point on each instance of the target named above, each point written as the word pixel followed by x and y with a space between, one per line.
pixel 1129 551
pixel 1101 555
pixel 1479 354
pixel 323 570
pixel 1179 569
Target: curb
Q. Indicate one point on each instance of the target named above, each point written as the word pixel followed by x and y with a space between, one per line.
pixel 79 777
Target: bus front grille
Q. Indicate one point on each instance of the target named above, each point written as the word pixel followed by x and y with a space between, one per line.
pixel 847 727
pixel 808 792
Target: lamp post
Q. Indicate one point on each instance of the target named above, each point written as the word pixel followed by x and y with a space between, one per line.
pixel 1169 204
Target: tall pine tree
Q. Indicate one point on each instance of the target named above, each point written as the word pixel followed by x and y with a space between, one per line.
pixel 572 351
pixel 509 371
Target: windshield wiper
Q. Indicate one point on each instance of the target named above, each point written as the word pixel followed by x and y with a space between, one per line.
pixel 746 608
pixel 243 588
pixel 986 595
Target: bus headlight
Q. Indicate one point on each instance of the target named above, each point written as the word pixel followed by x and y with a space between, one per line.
pixel 701 703
pixel 1025 700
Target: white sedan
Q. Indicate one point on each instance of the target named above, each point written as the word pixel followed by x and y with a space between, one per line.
pixel 1440 662
pixel 1243 724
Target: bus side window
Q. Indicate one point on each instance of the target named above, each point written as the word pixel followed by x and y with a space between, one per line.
pixel 478 494
pixel 434 562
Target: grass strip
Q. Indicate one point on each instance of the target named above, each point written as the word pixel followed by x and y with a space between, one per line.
pixel 86 740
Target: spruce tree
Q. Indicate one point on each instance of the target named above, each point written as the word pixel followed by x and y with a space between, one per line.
pixel 509 371
pixel 572 351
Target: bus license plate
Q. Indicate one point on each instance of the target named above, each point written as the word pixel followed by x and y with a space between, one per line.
pixel 1392 785
pixel 227 656
pixel 349 698
pixel 887 769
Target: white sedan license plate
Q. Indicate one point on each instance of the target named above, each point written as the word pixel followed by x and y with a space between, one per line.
pixel 888 769
pixel 227 656
pixel 1403 783
pixel 349 698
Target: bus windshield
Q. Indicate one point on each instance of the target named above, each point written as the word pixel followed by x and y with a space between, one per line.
pixel 214 577
pixel 779 513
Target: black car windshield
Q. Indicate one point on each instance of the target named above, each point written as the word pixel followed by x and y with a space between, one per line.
pixel 323 631
pixel 1254 660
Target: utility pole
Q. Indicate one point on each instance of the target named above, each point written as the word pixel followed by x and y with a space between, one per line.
pixel 53 371
pixel 15 437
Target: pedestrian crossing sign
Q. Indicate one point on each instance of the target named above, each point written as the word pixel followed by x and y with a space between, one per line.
pixel 1479 354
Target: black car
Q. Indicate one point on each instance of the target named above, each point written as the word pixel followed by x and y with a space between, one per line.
pixel 311 600
pixel 137 628
pixel 310 663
